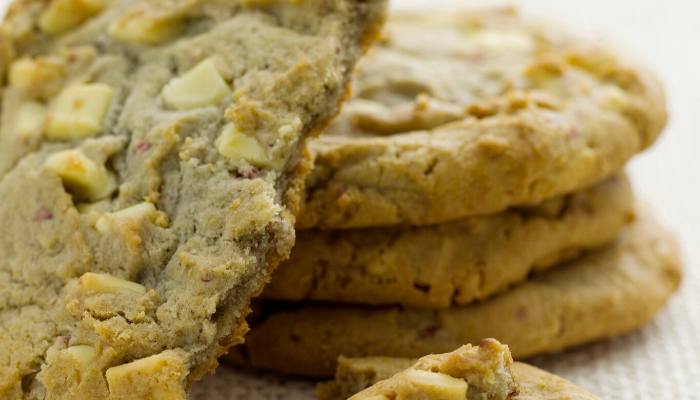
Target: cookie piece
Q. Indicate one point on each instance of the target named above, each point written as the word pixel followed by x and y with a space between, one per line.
pixel 469 114
pixel 536 384
pixel 453 263
pixel 601 295
pixel 151 159
pixel 353 375
pixel 474 373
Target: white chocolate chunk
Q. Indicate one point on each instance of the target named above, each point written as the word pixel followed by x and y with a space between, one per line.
pixel 497 41
pixel 26 73
pixel 81 176
pixel 139 27
pixel 104 283
pixel 613 98
pixel 438 385
pixel 546 75
pixel 234 144
pixel 98 5
pixel 30 118
pixel 201 86
pixel 149 366
pixel 257 3
pixel 79 111
pixel 138 211
pixel 63 15
pixel 153 366
pixel 83 354
pixel 21 73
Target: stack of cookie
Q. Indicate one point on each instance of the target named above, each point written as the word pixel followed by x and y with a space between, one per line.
pixel 473 188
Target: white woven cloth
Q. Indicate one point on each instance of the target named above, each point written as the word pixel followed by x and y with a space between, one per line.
pixel 661 361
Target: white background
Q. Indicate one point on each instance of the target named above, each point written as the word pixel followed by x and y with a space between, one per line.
pixel 661 361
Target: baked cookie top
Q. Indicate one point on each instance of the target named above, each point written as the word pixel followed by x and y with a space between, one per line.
pixel 150 158
pixel 353 375
pixel 471 113
pixel 452 263
pixel 472 373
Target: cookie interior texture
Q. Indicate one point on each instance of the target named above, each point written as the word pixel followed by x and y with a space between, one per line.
pixel 353 375
pixel 602 294
pixel 453 263
pixel 470 113
pixel 151 155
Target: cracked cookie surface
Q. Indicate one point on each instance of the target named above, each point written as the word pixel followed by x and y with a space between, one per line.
pixel 453 263
pixel 469 114
pixel 151 158
pixel 603 294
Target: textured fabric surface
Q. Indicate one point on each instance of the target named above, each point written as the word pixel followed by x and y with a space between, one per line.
pixel 661 361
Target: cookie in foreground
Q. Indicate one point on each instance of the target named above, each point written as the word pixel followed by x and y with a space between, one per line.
pixel 483 372
pixel 150 160
pixel 453 263
pixel 473 366
pixel 471 113
pixel 603 294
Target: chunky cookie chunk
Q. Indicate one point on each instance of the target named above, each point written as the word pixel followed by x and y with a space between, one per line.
pixel 472 373
pixel 453 263
pixel 469 114
pixel 353 375
pixel 603 294
pixel 150 160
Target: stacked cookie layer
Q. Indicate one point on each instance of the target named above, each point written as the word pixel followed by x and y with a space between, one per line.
pixel 472 189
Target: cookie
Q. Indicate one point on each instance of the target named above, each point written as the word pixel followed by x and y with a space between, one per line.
pixel 471 113
pixel 603 294
pixel 453 263
pixel 472 373
pixel 355 374
pixel 151 159
pixel 536 384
